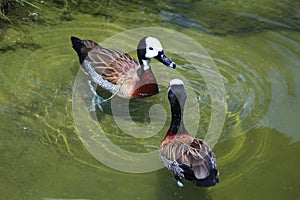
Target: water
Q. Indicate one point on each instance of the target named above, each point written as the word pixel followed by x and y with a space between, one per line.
pixel 255 46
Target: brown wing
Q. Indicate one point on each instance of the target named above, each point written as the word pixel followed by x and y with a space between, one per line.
pixel 111 64
pixel 191 154
pixel 201 158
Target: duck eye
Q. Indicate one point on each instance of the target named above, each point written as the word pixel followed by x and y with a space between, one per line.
pixel 150 48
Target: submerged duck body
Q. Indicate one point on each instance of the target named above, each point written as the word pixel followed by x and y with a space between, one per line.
pixel 120 73
pixel 187 157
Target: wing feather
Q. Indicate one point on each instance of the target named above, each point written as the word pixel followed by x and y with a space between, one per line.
pixel 191 154
pixel 111 64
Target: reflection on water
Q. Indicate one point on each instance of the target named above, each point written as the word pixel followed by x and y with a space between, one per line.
pixel 256 49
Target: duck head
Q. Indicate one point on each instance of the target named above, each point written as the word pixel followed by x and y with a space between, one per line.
pixel 150 47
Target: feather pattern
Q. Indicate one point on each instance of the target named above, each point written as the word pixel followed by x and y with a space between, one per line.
pixel 113 66
pixel 192 152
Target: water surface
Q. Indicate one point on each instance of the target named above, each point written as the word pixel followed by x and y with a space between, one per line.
pixel 255 46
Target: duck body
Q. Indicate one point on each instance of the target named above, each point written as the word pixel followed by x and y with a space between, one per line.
pixel 187 157
pixel 119 72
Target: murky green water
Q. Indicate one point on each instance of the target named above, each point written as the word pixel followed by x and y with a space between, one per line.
pixel 255 46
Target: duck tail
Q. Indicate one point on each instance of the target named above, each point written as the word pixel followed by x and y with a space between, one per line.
pixel 82 47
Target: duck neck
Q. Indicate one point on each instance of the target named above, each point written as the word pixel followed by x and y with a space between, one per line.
pixel 177 125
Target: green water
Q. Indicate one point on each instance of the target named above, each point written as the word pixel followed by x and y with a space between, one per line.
pixel 255 46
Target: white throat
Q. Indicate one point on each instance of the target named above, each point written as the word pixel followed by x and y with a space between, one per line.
pixel 146 64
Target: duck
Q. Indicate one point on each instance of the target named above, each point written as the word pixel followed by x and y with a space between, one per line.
pixel 119 72
pixel 185 156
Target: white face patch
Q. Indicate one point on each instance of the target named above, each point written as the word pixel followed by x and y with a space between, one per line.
pixel 153 46
pixel 176 82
